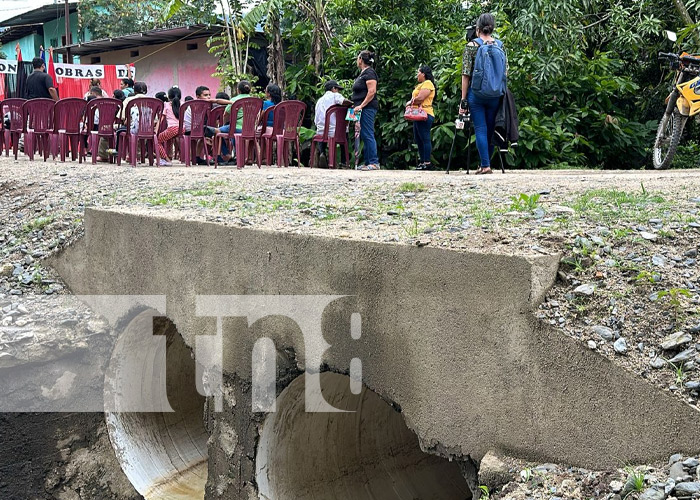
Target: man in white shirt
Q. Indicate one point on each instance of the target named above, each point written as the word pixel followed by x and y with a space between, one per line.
pixel 330 98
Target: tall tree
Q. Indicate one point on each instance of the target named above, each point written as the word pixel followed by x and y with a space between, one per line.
pixel 111 18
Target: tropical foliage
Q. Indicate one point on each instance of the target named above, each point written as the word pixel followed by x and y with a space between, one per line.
pixel 584 72
pixel 111 18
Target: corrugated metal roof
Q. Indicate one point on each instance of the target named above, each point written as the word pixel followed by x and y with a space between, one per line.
pixel 152 37
pixel 40 16
pixel 15 33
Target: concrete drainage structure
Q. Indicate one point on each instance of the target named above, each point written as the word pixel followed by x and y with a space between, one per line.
pixel 453 363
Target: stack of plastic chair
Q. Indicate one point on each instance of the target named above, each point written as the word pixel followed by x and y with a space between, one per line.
pixel 38 116
pixel 340 137
pixel 68 115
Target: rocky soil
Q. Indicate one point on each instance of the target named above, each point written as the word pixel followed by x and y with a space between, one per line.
pixel 628 286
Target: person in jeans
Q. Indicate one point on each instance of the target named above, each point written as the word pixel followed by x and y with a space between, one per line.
pixel 483 111
pixel 364 98
pixel 423 96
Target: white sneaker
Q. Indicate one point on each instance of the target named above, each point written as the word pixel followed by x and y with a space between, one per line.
pixel 164 163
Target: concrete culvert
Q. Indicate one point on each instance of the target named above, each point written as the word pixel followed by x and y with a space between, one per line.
pixel 164 454
pixel 367 454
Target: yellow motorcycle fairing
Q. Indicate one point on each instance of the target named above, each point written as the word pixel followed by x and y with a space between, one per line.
pixel 689 101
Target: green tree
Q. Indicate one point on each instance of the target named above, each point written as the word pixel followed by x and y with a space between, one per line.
pixel 111 18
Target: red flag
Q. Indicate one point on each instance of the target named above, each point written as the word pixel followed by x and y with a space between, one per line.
pixel 50 68
pixel 18 51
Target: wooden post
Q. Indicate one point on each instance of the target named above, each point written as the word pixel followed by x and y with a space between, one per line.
pixel 68 40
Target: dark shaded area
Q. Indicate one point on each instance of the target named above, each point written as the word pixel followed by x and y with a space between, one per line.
pixel 34 445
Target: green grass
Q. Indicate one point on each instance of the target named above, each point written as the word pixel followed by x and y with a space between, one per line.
pixel 637 478
pixel 524 202
pixel 614 205
pixel 412 228
pixel 161 199
pixel 411 187
pixel 37 224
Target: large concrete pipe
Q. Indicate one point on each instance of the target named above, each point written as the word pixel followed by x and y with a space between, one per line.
pixel 368 453
pixel 164 454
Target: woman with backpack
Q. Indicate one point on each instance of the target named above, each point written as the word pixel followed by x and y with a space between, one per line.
pixel 483 83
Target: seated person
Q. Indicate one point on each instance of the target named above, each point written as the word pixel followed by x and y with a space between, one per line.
pixel 330 98
pixel 244 89
pixel 95 82
pixel 127 86
pixel 140 90
pixel 119 94
pixel 273 95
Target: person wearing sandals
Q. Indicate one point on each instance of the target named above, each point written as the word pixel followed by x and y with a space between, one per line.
pixel 364 98
pixel 423 96
pixel 483 110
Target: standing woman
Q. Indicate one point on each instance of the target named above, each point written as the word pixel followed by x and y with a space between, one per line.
pixel 171 110
pixel 483 110
pixel 364 97
pixel 423 96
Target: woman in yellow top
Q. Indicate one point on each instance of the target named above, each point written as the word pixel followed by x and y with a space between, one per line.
pixel 423 95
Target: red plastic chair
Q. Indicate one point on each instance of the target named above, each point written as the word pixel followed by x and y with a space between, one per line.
pixel 215 116
pixel 293 116
pixel 340 137
pixel 199 109
pixel 263 129
pixel 269 137
pixel 251 107
pixel 38 116
pixel 149 109
pixel 109 110
pixel 12 135
pixel 68 117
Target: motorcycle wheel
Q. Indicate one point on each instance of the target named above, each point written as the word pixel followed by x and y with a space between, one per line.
pixel 668 136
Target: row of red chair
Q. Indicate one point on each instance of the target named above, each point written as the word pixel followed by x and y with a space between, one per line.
pixel 50 127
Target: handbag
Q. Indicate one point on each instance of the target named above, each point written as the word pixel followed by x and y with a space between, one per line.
pixel 353 116
pixel 413 114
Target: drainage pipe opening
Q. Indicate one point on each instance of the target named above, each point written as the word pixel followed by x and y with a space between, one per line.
pixel 367 454
pixel 164 454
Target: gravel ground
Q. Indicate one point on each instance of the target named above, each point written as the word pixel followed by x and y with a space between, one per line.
pixel 628 286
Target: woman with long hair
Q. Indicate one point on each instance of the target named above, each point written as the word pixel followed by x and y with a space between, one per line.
pixel 364 98
pixel 423 96
pixel 273 96
pixel 171 110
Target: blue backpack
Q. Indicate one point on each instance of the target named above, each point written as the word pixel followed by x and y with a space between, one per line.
pixel 489 77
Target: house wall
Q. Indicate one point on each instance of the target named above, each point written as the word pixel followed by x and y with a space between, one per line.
pixel 162 66
pixel 55 29
pixel 28 44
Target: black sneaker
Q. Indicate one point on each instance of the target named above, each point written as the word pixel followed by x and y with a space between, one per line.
pixel 201 161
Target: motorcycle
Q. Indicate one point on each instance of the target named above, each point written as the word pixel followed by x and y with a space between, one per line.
pixel 682 103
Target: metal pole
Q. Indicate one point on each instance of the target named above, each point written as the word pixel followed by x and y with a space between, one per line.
pixel 68 40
